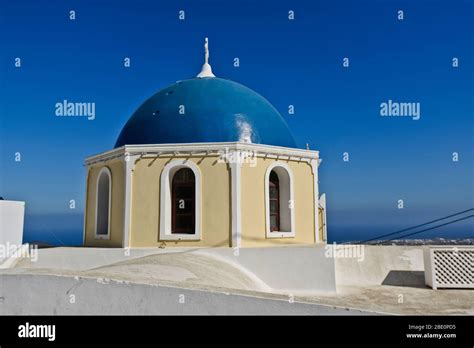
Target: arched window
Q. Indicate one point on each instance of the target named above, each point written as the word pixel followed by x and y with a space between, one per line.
pixel 279 201
pixel 103 204
pixel 274 187
pixel 183 201
pixel 180 201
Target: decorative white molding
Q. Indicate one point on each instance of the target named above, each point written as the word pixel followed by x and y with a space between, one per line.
pixel 235 172
pixel 105 170
pixel 268 151
pixel 314 169
pixel 286 179
pixel 129 165
pixel 165 200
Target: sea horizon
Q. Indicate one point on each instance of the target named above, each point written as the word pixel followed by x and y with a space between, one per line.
pixel 67 230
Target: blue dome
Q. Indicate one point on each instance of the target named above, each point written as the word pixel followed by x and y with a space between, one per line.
pixel 215 110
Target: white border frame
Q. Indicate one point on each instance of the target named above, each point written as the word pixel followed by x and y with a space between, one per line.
pixel 109 174
pixel 279 234
pixel 165 201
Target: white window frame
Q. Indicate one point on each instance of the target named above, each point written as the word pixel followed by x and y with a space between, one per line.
pixel 279 234
pixel 165 200
pixel 105 170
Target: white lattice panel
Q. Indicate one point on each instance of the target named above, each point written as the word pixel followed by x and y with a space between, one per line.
pixel 449 267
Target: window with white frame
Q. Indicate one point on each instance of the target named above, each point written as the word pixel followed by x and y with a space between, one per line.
pixel 180 201
pixel 279 201
pixel 103 204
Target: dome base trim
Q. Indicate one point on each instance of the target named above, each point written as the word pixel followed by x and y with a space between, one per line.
pixel 203 149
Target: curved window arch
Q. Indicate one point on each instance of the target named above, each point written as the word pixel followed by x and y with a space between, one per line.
pixel 180 201
pixel 103 204
pixel 279 201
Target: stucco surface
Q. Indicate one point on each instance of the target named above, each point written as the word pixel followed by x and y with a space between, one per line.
pixel 215 203
pixel 253 204
pixel 52 296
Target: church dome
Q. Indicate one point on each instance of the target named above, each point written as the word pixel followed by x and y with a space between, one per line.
pixel 206 109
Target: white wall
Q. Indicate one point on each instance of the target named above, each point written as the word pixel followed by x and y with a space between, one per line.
pixel 94 297
pixel 11 224
pixel 381 263
pixel 286 269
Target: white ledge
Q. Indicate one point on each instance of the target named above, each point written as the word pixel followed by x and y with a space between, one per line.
pixel 190 148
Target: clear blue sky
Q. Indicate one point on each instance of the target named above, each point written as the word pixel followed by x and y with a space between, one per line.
pixel 289 62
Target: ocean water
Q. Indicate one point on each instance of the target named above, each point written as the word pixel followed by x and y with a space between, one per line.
pixel 66 230
pixel 54 229
pixel 341 234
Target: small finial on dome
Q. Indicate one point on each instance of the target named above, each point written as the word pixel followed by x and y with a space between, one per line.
pixel 206 70
pixel 206 50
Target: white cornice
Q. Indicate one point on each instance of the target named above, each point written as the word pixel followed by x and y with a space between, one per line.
pixel 196 148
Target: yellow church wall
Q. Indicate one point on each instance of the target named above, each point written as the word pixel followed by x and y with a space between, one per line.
pixel 253 204
pixel 117 208
pixel 215 203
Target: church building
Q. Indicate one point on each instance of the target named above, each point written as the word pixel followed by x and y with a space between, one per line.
pixel 205 162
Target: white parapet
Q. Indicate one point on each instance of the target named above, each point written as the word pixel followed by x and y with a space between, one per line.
pixel 449 267
pixel 288 269
pixel 11 224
